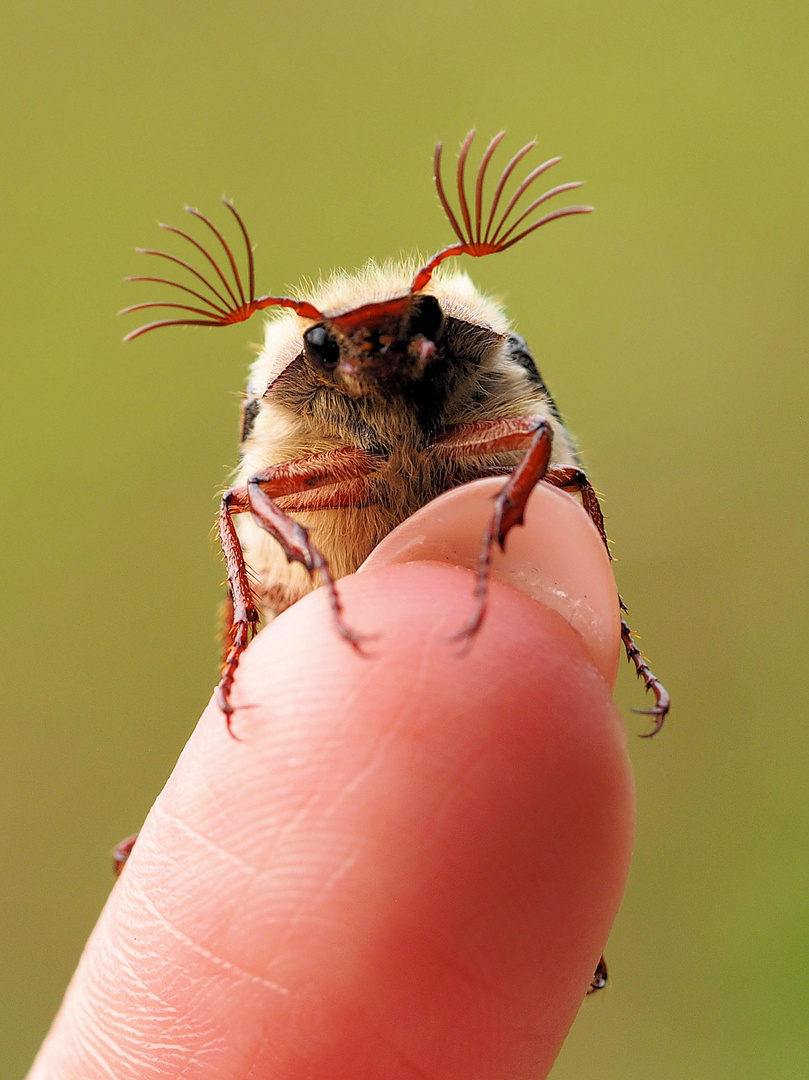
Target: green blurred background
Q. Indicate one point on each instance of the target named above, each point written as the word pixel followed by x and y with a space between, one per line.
pixel 670 326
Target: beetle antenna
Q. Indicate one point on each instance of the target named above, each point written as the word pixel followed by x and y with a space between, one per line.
pixel 461 181
pixel 176 285
pixel 226 247
pixel 251 266
pixel 206 254
pixel 186 266
pixel 473 240
pixel 439 186
pixel 490 149
pixel 501 183
pixel 231 305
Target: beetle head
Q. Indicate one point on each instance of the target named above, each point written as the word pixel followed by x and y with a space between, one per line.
pixel 384 345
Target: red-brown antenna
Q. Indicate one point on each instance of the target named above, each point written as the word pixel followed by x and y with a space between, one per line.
pixel 474 239
pixel 232 303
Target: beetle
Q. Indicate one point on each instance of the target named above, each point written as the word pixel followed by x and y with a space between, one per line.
pixel 381 391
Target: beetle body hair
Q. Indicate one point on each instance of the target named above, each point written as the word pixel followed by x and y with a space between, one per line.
pixel 481 372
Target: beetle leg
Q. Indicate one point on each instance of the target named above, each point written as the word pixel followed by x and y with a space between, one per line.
pixel 659 711
pixel 334 468
pixel 600 977
pixel 484 439
pixel 242 611
pixel 121 852
pixel 573 479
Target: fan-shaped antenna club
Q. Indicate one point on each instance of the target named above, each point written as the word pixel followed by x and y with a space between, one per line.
pixel 226 301
pixel 498 234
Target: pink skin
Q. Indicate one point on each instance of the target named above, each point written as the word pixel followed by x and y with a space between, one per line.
pixel 409 865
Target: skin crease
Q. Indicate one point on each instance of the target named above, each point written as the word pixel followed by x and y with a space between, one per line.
pixel 407 867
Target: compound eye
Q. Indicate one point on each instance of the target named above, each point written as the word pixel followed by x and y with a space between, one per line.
pixel 428 319
pixel 321 349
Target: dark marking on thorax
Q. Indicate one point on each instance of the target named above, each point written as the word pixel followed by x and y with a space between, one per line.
pixel 250 407
pixel 519 352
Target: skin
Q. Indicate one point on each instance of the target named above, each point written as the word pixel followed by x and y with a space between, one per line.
pixel 409 865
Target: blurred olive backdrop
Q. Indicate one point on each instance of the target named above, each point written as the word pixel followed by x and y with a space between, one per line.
pixel 670 326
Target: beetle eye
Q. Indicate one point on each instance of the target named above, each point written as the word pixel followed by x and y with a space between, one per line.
pixel 427 319
pixel 320 348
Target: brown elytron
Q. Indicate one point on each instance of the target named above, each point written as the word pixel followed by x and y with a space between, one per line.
pixel 412 389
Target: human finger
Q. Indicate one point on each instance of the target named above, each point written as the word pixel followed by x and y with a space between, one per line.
pixel 408 865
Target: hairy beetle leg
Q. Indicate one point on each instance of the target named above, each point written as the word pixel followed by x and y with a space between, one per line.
pixel 489 437
pixel 660 709
pixel 574 480
pixel 483 439
pixel 335 469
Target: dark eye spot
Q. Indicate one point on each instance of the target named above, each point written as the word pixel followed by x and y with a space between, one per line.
pixel 427 319
pixel 321 349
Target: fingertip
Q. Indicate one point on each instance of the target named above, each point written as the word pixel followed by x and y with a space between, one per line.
pixel 556 556
pixel 410 861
